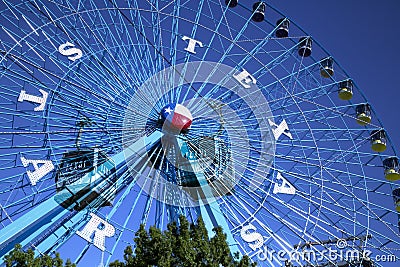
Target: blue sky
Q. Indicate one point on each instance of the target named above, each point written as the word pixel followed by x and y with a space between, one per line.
pixel 363 37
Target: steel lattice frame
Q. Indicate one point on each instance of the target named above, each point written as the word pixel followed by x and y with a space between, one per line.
pixel 341 191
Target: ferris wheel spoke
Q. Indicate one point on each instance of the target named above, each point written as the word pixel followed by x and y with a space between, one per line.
pixel 58 77
pixel 226 51
pixel 101 65
pixel 132 209
pixel 284 162
pixel 37 218
pixel 137 61
pixel 302 234
pixel 241 207
pixel 120 68
pixel 140 29
pixel 290 208
pixel 317 222
pixel 158 37
pixel 150 197
pixel 316 202
pixel 366 205
pixel 174 42
pixel 174 37
pixel 331 171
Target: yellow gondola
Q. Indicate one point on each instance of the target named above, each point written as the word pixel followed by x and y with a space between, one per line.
pixel 378 140
pixel 391 166
pixel 346 90
pixel 327 67
pixel 396 197
pixel 363 114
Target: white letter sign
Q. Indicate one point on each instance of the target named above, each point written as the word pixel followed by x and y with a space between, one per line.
pixel 70 51
pixel 192 44
pixel 253 236
pixel 245 79
pixel 280 129
pixel 35 99
pixel 46 167
pixel 100 229
pixel 285 187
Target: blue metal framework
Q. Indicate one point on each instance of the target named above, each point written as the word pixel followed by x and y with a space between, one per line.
pixel 67 62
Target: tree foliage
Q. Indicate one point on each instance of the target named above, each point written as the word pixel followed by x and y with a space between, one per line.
pixel 183 245
pixel 19 258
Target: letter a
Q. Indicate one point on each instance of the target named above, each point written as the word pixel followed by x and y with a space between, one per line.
pixel 46 167
pixel 285 188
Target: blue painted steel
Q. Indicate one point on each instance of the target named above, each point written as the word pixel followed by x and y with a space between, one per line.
pixel 123 44
pixel 40 220
pixel 210 212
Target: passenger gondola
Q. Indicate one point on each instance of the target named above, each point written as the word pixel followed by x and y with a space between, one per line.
pixel 85 177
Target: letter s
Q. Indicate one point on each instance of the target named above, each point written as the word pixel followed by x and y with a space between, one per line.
pixel 250 237
pixel 70 51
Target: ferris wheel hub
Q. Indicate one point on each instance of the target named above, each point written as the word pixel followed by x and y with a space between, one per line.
pixel 176 117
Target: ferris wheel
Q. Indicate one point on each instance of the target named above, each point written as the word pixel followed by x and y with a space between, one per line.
pixel 121 113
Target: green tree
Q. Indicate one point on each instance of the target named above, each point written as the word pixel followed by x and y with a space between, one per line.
pixel 183 245
pixel 19 258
